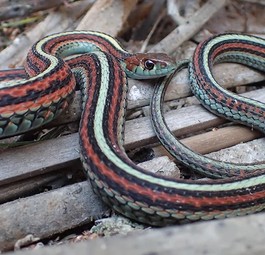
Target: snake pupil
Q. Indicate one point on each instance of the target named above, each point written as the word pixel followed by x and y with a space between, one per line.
pixel 149 64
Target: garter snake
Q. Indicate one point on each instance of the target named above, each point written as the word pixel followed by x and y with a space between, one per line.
pixel 29 102
pixel 236 48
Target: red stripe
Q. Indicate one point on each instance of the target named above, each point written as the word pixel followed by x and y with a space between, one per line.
pixel 162 196
pixel 231 46
pixel 38 85
pixel 233 104
pixel 40 63
pixel 47 99
pixel 129 187
pixel 52 45
pixel 21 91
pixel 116 99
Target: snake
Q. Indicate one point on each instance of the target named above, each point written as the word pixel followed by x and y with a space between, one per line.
pixel 97 63
pixel 243 49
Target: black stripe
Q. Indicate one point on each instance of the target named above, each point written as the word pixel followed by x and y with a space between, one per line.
pixel 33 116
pixel 259 65
pixel 208 208
pixel 12 74
pixel 33 94
pixel 32 65
pixel 144 183
pixel 173 205
pixel 108 102
pixel 89 38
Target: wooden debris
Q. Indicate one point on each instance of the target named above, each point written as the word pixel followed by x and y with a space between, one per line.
pixel 30 212
pixel 57 21
pixel 186 30
pixel 58 210
pixel 237 236
pixel 137 134
pixel 111 17
pixel 22 8
pixel 48 213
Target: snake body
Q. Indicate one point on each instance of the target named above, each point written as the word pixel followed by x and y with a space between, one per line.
pixel 28 103
pixel 244 49
pixel 33 97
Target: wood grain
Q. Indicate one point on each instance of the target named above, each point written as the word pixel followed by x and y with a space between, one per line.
pixel 48 213
pixel 54 211
pixel 237 236
pixel 103 13
pixel 54 154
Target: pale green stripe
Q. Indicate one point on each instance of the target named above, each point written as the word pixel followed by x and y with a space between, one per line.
pixel 224 38
pixel 54 60
pixel 103 144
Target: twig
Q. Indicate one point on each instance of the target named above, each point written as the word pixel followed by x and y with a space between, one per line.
pixel 174 9
pixel 56 21
pixel 188 29
pixel 145 43
pixel 22 8
pixel 107 16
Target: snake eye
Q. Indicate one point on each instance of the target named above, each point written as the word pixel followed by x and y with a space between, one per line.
pixel 149 64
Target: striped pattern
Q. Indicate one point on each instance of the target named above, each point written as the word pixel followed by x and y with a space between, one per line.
pixel 138 194
pixel 248 50
pixel 220 101
pixel 126 187
pixel 26 104
pixel 30 103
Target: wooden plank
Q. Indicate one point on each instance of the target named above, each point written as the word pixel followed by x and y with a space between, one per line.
pixel 48 213
pixel 53 154
pixel 19 185
pixel 38 158
pixel 178 88
pixel 190 117
pixel 218 139
pixel 215 140
pixel 56 211
pixel 237 236
pixel 37 184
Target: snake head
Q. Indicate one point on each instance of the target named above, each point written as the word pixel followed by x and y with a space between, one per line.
pixel 148 65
